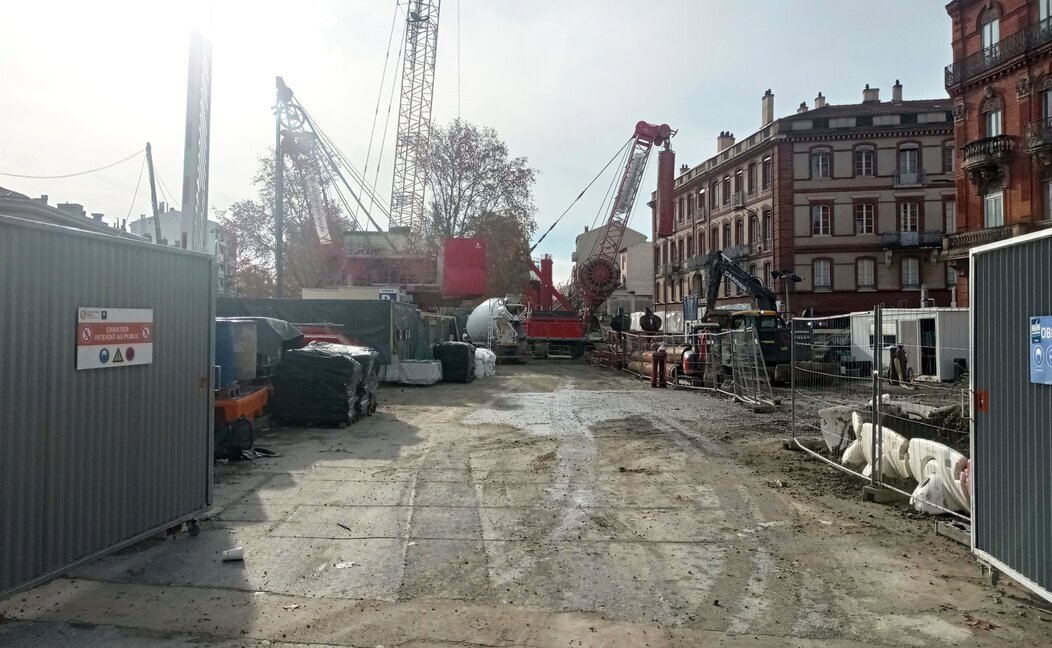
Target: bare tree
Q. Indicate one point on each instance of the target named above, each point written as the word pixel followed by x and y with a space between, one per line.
pixel 471 173
pixel 308 264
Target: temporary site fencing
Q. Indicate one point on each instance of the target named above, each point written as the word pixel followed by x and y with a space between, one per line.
pixel 728 362
pixel 883 396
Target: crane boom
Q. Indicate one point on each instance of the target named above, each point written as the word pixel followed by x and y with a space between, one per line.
pixel 414 113
pixel 598 276
pixel 153 195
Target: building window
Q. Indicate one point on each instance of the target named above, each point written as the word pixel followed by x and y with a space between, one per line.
pixel 714 239
pixel 949 216
pixel 727 235
pixel 739 232
pixel 864 161
pixel 864 218
pixel 820 220
pixel 991 28
pixel 754 229
pixel 951 276
pixel 726 190
pixel 752 173
pixel 768 231
pixel 909 159
pixel 993 209
pixel 766 278
pixel 1044 10
pixel 867 274
pixel 738 181
pixel 679 210
pixel 820 163
pixel 726 288
pixel 690 206
pixel 910 273
pixel 909 217
pixel 766 172
pixel 701 204
pixel 701 242
pixel 715 191
pixel 949 158
pixel 823 269
pixel 992 120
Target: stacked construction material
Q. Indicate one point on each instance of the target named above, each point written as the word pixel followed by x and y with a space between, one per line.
pixel 458 361
pixel 325 384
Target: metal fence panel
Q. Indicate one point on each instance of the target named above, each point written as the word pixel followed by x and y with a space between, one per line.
pixel 881 395
pixel 1010 282
pixel 93 460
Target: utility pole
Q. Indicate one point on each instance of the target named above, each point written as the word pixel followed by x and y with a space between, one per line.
pixel 153 196
pixel 284 94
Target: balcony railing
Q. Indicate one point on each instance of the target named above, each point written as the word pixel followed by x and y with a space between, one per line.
pixel 1038 134
pixel 696 262
pixel 1001 52
pixel 911 239
pixel 986 150
pixel 966 240
pixel 670 268
pixel 736 251
pixel 909 177
pixel 738 199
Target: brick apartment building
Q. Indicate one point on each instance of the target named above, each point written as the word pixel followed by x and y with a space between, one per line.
pixel 853 198
pixel 1000 83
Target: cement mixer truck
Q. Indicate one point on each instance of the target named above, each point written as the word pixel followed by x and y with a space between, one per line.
pixel 496 324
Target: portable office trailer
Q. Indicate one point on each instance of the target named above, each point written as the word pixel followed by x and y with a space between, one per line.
pixel 105 395
pixel 1011 304
pixel 936 339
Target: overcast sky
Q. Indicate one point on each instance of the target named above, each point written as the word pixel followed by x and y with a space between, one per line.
pixel 562 81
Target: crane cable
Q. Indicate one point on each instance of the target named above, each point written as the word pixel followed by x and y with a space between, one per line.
pixel 608 200
pixel 580 195
pixel 136 193
pixel 78 173
pixel 379 97
pixel 387 120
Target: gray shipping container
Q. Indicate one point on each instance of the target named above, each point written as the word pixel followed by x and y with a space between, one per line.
pixel 1011 282
pixel 92 460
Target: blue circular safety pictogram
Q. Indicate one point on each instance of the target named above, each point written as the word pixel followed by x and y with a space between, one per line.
pixel 104 356
pixel 1039 356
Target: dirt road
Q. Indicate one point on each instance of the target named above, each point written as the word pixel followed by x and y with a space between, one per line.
pixel 553 505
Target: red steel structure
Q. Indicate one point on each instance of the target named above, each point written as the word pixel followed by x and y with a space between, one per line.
pixel 598 276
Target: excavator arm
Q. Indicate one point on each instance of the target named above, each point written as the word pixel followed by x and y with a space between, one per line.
pixel 719 264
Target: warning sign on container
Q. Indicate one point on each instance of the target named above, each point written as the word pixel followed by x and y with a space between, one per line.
pixel 114 337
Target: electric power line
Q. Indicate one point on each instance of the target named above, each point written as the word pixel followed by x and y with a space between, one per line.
pixel 78 173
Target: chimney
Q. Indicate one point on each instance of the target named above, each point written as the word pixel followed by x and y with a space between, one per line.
pixel 803 108
pixel 683 168
pixel 766 108
pixel 42 199
pixel 97 217
pixel 871 95
pixel 820 101
pixel 586 229
pixel 724 141
pixel 74 209
pixel 896 92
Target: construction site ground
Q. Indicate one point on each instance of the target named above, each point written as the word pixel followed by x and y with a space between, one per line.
pixel 555 504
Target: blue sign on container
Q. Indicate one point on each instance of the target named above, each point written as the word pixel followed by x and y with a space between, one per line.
pixel 1041 350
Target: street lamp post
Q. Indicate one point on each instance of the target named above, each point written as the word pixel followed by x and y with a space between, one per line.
pixel 786 276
